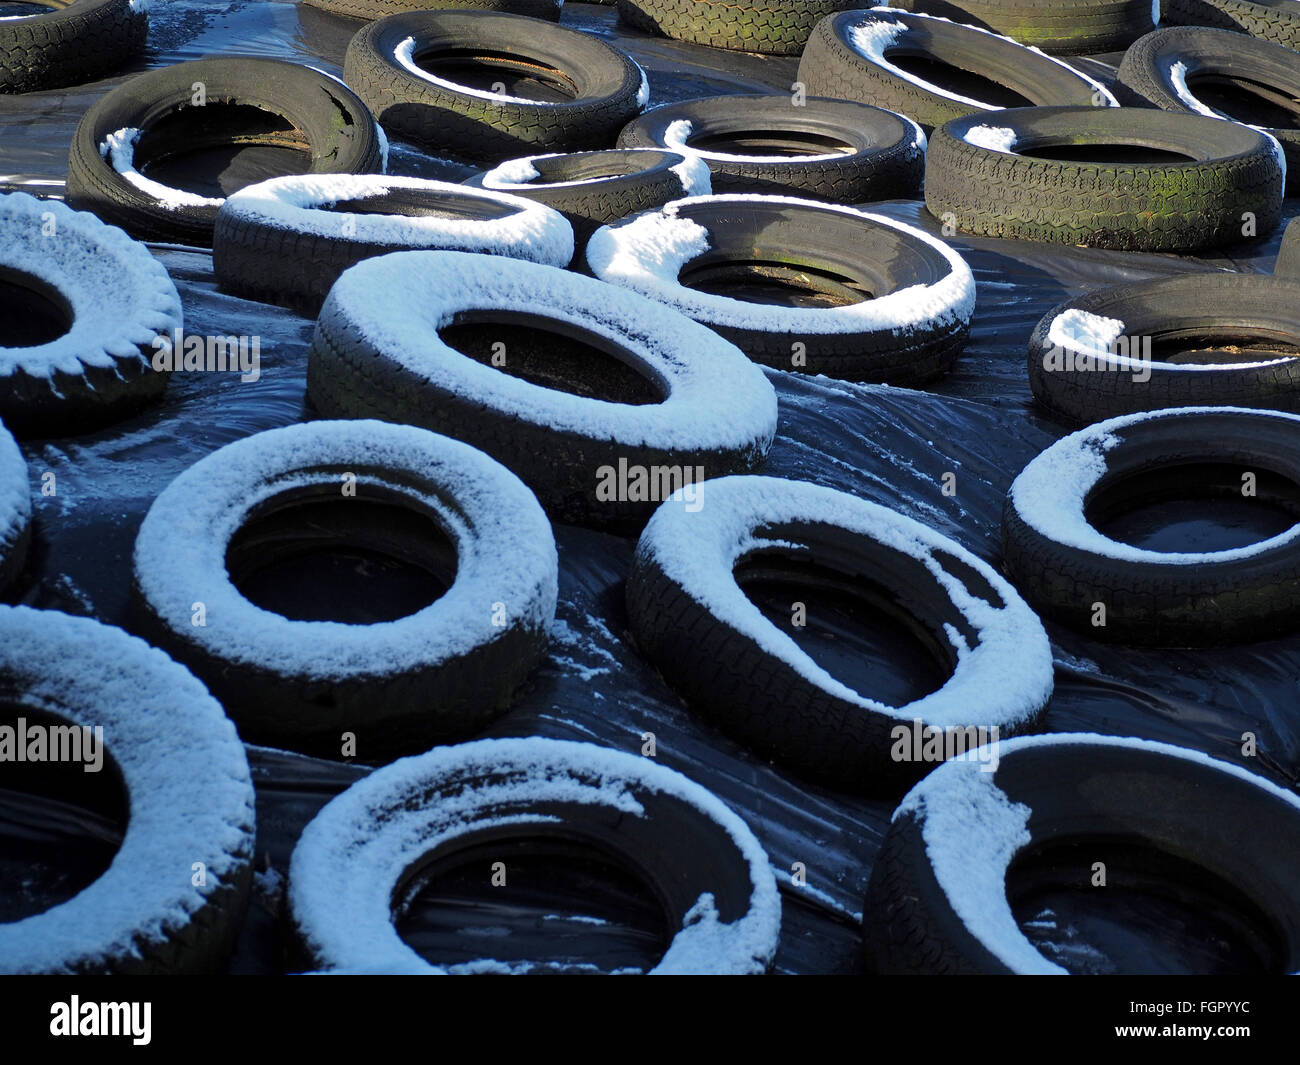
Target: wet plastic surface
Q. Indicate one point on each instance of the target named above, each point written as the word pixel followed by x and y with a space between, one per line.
pixel 889 445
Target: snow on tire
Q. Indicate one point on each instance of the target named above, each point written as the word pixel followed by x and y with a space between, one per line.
pixel 15 511
pixel 601 400
pixel 287 240
pixel 84 304
pixel 438 674
pixel 880 300
pixel 370 845
pixel 734 667
pixel 189 795
pixel 1076 574
pixel 938 901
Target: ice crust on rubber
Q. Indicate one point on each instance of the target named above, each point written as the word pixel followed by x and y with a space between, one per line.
pixel 388 820
pixel 119 149
pixel 647 253
pixel 1049 494
pixel 121 296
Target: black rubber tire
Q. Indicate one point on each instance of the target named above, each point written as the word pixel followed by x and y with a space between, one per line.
pixel 377 9
pixel 15 511
pixel 1090 791
pixel 604 85
pixel 1207 311
pixel 667 831
pixel 1231 172
pixel 438 675
pixel 113 302
pixel 885 160
pixel 1077 27
pixel 593 188
pixel 189 799
pixel 326 117
pixel 1145 78
pixel 724 670
pixel 1153 599
pixel 77 42
pixel 831 66
pixel 770 27
pixel 266 256
pixel 557 439
pixel 1269 20
pixel 1287 263
pixel 829 252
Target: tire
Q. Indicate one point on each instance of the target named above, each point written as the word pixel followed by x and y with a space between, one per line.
pixel 15 511
pixel 1155 73
pixel 1287 263
pixel 1232 171
pixel 377 9
pixel 909 333
pixel 593 188
pixel 186 781
pixel 692 619
pixel 1066 566
pixel 77 42
pixel 287 240
pixel 1080 27
pixel 568 430
pixel 1269 20
pixel 325 117
pixel 439 674
pixel 603 87
pixel 770 27
pixel 1088 358
pixel 85 308
pixel 875 154
pixel 371 849
pixel 937 900
pixel 835 64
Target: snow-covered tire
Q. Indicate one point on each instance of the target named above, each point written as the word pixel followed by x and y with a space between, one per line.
pixel 1086 357
pixel 376 9
pixel 1156 70
pixel 1065 566
pixel 439 674
pixel 604 87
pixel 937 901
pixel 780 148
pixel 287 240
pixel 77 42
pixel 86 303
pixel 15 511
pixel 371 848
pixel 770 27
pixel 155 114
pixel 994 186
pixel 189 795
pixel 849 56
pixel 1078 27
pixel 1269 20
pixel 593 188
pixel 378 352
pixel 908 330
pixel 691 617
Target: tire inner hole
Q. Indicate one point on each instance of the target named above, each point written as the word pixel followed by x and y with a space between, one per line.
pixel 1115 154
pixel 1245 100
pixel 60 825
pixel 313 554
pixel 553 354
pixel 1222 347
pixel 775 284
pixel 772 142
pixel 217 149
pixel 1194 507
pixel 927 67
pixel 596 165
pixel 565 906
pixel 1158 913
pixel 412 203
pixel 33 312
pixel 499 72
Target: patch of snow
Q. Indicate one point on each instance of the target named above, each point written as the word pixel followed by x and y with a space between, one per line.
pixel 513 172
pixel 404 54
pixel 141 7
pixel 643 91
pixel 119 149
pixel 15 492
pixel 1083 331
pixel 994 138
pixel 1155 12
pixel 694 174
